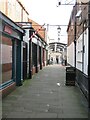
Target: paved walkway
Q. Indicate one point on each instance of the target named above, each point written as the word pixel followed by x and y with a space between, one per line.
pixel 46 96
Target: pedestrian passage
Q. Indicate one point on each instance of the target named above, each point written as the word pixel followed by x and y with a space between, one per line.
pixel 46 96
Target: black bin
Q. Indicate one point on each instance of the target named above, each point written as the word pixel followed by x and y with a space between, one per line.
pixel 70 76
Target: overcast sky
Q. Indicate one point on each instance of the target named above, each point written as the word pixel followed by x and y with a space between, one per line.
pixel 46 11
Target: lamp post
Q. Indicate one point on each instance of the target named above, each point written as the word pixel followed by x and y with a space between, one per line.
pixel 59 3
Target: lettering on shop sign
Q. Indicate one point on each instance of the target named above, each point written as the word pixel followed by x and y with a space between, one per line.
pixel 8 29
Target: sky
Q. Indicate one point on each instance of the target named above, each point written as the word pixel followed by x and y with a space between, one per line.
pixel 47 11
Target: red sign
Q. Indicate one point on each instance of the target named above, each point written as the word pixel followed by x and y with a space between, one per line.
pixel 8 29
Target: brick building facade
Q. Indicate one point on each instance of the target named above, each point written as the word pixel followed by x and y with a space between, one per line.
pixel 78 40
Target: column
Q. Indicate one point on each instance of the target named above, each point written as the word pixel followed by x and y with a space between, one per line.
pixel 37 69
pixel 18 64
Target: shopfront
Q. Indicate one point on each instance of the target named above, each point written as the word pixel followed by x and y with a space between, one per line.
pixel 10 53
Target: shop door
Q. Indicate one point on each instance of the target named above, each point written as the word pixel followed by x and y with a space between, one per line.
pixel 25 61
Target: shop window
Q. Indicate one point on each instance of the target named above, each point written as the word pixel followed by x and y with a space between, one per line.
pixel 6 59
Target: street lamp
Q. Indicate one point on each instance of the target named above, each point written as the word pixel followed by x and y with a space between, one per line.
pixel 59 29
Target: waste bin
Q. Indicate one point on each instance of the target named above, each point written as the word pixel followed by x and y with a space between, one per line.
pixel 70 76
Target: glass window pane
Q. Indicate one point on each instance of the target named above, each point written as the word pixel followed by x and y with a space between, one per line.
pixel 6 59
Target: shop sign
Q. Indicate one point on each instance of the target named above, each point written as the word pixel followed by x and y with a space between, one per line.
pixel 8 29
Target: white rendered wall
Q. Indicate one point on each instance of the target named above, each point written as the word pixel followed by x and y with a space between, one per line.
pixel 82 57
pixel 71 54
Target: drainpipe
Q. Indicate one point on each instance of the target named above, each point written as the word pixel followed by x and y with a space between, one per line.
pixel 75 36
pixel 89 55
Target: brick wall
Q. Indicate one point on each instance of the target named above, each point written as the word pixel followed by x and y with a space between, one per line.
pixel 79 22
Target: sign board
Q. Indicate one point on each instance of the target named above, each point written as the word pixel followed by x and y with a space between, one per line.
pixel 7 29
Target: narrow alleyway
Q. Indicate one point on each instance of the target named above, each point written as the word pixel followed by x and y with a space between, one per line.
pixel 46 96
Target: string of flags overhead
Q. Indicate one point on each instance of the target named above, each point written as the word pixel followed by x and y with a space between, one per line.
pixel 36 31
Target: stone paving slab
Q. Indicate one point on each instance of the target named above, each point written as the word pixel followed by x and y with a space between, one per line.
pixel 46 96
